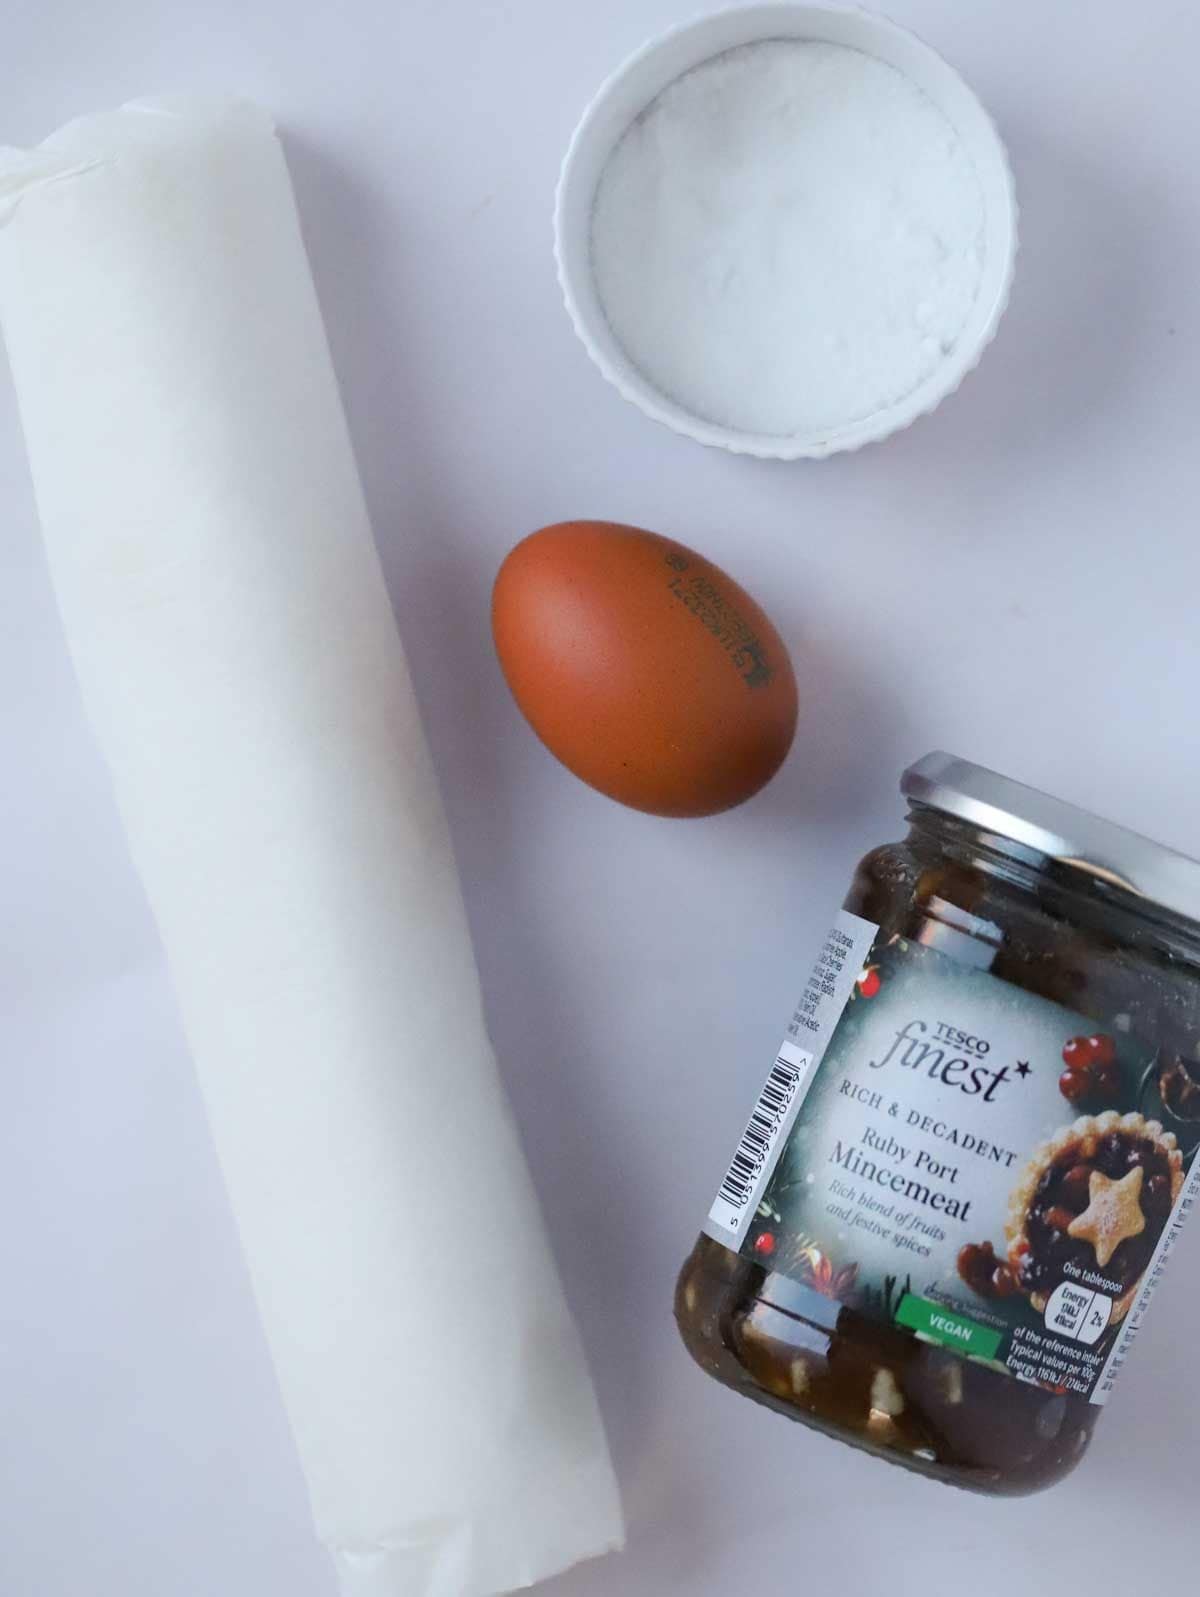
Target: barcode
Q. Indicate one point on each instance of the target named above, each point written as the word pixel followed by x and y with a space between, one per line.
pixel 751 1163
pixel 759 1136
pixel 816 1019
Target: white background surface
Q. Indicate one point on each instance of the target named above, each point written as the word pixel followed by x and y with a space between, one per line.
pixel 1014 579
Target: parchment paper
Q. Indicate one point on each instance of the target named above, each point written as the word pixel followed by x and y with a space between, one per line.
pixel 237 652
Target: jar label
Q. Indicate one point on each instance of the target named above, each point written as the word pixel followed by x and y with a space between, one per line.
pixel 940 1151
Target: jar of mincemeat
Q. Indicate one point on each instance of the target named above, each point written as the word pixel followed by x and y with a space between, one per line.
pixel 973 1152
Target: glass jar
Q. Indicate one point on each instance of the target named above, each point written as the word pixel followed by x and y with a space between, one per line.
pixel 970 1159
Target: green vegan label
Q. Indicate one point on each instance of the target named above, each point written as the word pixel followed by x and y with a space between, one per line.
pixel 952 1330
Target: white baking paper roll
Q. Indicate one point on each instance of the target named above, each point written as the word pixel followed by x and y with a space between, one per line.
pixel 225 608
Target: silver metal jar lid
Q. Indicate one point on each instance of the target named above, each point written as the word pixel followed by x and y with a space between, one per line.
pixel 1056 831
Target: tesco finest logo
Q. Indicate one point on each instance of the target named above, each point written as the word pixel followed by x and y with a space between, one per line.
pixel 951 1057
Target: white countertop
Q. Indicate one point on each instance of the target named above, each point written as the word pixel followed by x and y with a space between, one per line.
pixel 1015 579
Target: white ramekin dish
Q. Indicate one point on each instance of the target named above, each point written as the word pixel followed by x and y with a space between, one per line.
pixel 628 92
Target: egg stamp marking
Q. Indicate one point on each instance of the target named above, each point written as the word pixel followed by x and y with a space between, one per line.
pixel 714 611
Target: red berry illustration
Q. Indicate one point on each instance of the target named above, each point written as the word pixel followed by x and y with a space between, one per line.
pixel 869 983
pixel 1077 1054
pixel 1074 1085
pixel 764 1244
pixel 1092 1070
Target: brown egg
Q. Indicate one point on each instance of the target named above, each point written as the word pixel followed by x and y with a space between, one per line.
pixel 643 667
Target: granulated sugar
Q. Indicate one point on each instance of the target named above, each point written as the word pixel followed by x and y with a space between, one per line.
pixel 789 239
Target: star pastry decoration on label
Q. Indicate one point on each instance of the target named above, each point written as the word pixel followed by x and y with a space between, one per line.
pixel 1095 1196
pixel 1113 1215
